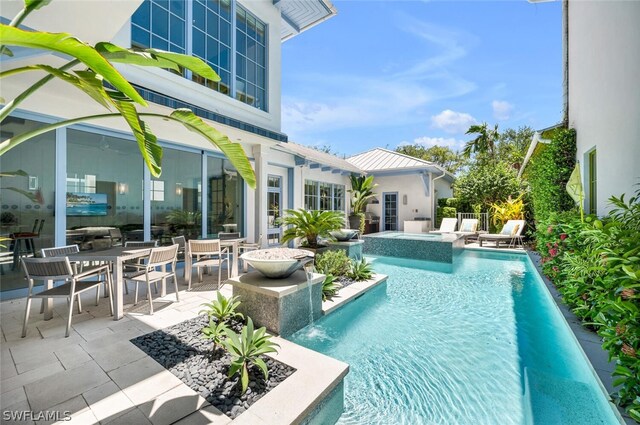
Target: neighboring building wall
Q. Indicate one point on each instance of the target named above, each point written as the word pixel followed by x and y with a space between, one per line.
pixel 411 185
pixel 604 94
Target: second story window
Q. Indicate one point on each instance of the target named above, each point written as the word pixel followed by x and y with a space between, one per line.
pixel 205 29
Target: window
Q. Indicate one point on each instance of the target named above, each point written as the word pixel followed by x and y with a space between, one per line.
pixel 157 190
pixel 211 36
pixel 161 25
pixel 274 209
pixel 212 41
pixel 323 196
pixel 592 176
pixel 250 59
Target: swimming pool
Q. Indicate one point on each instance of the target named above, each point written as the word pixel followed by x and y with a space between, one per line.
pixel 482 345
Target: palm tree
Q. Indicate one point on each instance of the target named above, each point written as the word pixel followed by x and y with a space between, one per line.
pixel 485 143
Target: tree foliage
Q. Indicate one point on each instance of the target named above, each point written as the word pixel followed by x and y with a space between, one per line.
pixel 441 155
pixel 485 184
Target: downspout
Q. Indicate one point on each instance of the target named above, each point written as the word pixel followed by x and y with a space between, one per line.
pixel 565 54
pixel 433 196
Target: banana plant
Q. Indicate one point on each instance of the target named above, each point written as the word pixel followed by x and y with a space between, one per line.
pixel 91 70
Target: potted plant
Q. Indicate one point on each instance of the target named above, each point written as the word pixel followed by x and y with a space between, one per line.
pixel 361 192
pixel 310 226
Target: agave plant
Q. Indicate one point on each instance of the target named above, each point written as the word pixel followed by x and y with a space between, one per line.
pixel 360 270
pixel 223 308
pixel 310 225
pixel 246 349
pixel 215 331
pixel 91 70
pixel 329 287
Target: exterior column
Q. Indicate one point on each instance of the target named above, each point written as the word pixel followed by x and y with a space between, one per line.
pixel 260 212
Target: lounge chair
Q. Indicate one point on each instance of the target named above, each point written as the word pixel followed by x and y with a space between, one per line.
pixel 512 232
pixel 448 225
pixel 468 228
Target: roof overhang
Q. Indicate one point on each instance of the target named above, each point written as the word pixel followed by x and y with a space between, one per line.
pixel 433 169
pixel 300 15
pixel 306 156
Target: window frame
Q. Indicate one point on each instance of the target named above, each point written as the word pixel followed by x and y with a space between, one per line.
pixel 317 197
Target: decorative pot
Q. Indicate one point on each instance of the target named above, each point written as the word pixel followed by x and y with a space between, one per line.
pixel 277 263
pixel 354 221
pixel 343 235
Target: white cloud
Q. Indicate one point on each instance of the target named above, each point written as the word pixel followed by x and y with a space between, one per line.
pixel 426 141
pixel 501 109
pixel 452 121
pixel 383 99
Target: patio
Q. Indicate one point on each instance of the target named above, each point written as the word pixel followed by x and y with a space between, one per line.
pixel 98 376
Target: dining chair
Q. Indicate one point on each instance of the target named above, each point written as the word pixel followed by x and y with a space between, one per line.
pixel 181 241
pixel 246 247
pixel 207 253
pixel 116 237
pixel 60 269
pixel 130 268
pixel 154 271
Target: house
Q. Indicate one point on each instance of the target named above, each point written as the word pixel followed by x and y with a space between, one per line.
pixel 407 190
pixel 601 41
pixel 99 161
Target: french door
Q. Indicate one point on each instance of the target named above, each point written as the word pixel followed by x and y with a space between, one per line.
pixel 390 211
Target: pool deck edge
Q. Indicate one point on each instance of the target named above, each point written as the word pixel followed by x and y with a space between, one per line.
pixel 347 294
pixel 590 342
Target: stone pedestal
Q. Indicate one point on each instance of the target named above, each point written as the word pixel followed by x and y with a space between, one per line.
pixel 281 305
pixel 353 248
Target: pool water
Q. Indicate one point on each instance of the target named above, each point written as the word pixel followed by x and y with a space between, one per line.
pixel 481 345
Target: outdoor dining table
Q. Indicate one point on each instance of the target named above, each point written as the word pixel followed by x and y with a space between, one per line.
pixel 116 256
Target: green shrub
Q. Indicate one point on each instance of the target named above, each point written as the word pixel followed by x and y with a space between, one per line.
pixel 329 287
pixel 484 184
pixel 245 350
pixel 548 173
pixel 360 270
pixel 223 309
pixel 334 263
pixel 596 267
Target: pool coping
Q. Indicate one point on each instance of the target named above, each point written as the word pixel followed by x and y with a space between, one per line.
pixel 590 343
pixel 349 293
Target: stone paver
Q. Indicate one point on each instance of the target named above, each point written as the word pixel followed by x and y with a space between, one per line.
pixel 173 405
pixel 143 380
pixel 64 385
pixel 207 415
pixel 132 417
pixel 72 356
pixel 34 375
pixel 108 401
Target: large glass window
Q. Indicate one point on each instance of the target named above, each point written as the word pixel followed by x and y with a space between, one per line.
pixel 250 59
pixel 160 24
pixel 176 207
pixel 104 189
pixel 225 203
pixel 210 36
pixel 212 41
pixel 26 199
pixel 323 196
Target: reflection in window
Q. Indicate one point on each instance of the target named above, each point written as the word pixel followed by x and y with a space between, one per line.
pixel 225 196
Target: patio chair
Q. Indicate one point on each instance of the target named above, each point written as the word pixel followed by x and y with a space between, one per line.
pixel 60 269
pixel 448 225
pixel 181 241
pixel 207 253
pixel 155 271
pixel 468 228
pixel 130 268
pixel 511 232
pixel 116 237
pixel 245 247
pixel 141 244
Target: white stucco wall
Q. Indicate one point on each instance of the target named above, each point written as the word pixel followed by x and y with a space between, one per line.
pixel 604 92
pixel 418 203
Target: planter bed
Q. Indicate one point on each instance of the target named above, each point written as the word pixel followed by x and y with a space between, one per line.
pixel 182 350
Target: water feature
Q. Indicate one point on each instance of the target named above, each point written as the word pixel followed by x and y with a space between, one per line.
pixel 309 269
pixel 482 345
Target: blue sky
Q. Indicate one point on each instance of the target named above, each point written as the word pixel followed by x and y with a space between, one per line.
pixel 384 73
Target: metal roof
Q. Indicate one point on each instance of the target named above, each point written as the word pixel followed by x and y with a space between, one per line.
pixel 316 159
pixel 380 160
pixel 300 15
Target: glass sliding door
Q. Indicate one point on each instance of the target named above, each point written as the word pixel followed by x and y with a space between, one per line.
pixel 176 196
pixel 225 197
pixel 26 199
pixel 104 188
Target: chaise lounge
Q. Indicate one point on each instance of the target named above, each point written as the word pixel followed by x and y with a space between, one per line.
pixel 511 232
pixel 448 225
